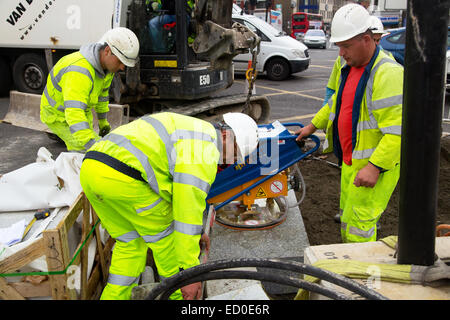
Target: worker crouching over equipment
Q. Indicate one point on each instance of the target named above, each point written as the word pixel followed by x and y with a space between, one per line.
pixel 148 181
pixel 80 81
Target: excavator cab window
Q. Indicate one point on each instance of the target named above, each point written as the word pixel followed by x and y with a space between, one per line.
pixel 160 35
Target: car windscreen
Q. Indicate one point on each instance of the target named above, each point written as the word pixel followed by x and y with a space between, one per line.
pixel 264 27
pixel 317 33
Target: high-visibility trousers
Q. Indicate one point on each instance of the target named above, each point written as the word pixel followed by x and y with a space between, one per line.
pixel 362 206
pixel 120 202
pixel 61 129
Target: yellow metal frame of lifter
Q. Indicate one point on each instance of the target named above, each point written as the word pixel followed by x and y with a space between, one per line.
pixel 262 191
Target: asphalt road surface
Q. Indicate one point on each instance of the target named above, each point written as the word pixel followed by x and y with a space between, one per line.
pixel 296 99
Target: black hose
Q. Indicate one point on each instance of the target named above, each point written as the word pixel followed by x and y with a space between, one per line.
pixel 199 271
pixel 262 276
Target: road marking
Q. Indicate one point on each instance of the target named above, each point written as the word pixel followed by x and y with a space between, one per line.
pixel 305 116
pixel 279 91
pixel 317 66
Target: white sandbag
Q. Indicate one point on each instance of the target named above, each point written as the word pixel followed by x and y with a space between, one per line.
pixel 36 185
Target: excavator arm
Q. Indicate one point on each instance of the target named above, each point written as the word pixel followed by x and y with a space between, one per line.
pixel 216 34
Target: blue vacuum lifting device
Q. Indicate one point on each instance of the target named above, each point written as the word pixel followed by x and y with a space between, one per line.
pixel 262 176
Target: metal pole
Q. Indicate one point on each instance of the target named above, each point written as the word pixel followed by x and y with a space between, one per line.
pixel 426 38
pixel 181 36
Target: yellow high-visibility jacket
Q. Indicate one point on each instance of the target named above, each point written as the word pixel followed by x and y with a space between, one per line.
pixel 178 156
pixel 377 114
pixel 77 83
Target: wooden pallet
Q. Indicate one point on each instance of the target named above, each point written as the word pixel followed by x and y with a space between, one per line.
pixel 54 245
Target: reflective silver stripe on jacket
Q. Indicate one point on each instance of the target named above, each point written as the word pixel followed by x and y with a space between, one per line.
pixel 164 135
pixel 397 130
pixel 51 101
pixel 103 99
pixel 129 236
pixel 387 102
pixel 102 115
pixel 123 142
pixel 161 235
pixel 56 79
pixel 366 125
pixel 382 103
pixel 120 280
pixel 362 154
pixel 189 179
pixel 330 102
pixel 75 104
pixel 179 134
pixel 149 206
pixel 189 229
pixel 89 144
pixel 79 126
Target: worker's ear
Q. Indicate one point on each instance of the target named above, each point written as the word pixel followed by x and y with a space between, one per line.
pixel 108 51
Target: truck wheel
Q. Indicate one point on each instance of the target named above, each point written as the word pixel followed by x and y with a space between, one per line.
pixel 5 78
pixel 30 73
pixel 278 69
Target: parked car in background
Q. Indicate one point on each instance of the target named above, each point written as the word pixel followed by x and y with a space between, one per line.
pixel 280 55
pixel 394 41
pixel 315 38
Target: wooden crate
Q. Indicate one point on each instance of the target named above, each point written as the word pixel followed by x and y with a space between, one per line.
pixel 54 245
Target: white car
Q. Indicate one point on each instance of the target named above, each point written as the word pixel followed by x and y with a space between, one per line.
pixel 279 55
pixel 315 38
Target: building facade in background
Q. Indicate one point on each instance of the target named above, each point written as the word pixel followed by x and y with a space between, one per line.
pixel 389 11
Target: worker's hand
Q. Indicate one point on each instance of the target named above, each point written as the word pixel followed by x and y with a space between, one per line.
pixel 205 243
pixel 367 176
pixel 104 127
pixel 305 131
pixel 192 291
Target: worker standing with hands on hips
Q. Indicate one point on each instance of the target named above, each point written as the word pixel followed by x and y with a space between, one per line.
pixel 148 181
pixel 80 81
pixel 363 124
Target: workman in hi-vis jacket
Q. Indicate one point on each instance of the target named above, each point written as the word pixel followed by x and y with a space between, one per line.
pixel 80 81
pixel 148 181
pixel 363 124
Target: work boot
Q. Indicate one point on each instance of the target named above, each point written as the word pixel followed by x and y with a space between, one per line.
pixel 337 218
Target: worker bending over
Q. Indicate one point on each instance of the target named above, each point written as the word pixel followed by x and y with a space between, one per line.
pixel 148 182
pixel 80 81
pixel 363 124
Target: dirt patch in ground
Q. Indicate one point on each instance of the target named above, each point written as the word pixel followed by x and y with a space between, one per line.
pixel 321 202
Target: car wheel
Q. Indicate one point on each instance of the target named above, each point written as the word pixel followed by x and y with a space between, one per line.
pixel 278 69
pixel 30 73
pixel 5 78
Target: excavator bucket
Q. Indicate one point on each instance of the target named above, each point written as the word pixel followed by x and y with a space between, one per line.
pixel 24 111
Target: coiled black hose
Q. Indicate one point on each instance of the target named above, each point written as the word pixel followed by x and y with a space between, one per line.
pixel 208 271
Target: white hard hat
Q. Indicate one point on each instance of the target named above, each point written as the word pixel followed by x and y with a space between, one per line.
pixel 245 131
pixel 376 25
pixel 124 45
pixel 349 21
